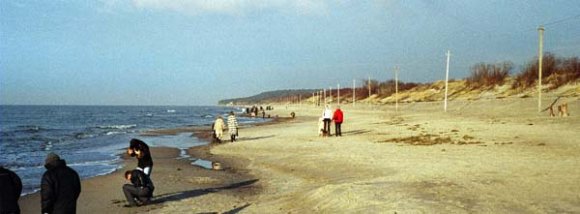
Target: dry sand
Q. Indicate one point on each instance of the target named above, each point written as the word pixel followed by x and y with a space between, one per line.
pixel 494 156
pixel 486 156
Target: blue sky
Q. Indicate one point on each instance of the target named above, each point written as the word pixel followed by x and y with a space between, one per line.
pixel 164 52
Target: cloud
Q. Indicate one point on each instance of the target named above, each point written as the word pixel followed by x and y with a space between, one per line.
pixel 234 7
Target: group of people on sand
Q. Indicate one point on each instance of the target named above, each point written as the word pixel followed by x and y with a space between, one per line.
pixel 255 111
pixel 139 190
pixel 328 116
pixel 60 186
pixel 219 126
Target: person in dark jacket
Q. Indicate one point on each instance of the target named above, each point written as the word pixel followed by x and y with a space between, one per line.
pixel 60 186
pixel 140 191
pixel 140 149
pixel 10 190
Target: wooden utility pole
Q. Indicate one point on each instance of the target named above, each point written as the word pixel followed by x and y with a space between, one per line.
pixel 369 86
pixel 329 94
pixel 337 94
pixel 324 91
pixel 396 88
pixel 353 92
pixel 540 57
pixel 447 79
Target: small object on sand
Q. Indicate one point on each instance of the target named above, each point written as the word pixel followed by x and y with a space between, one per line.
pixel 216 166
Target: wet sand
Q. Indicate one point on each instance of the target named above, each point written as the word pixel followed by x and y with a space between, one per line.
pixel 175 180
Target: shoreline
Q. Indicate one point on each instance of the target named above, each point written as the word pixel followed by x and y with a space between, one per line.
pixel 497 156
pixel 177 173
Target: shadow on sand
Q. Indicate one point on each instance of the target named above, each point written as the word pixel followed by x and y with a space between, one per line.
pixel 356 132
pixel 199 192
pixel 255 138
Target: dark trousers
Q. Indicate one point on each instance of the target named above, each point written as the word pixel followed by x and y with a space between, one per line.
pixel 327 126
pixel 233 137
pixel 337 129
pixel 132 192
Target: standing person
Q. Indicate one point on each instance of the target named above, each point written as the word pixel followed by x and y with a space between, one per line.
pixel 218 128
pixel 140 149
pixel 327 118
pixel 140 190
pixel 338 118
pixel 10 190
pixel 232 126
pixel 60 186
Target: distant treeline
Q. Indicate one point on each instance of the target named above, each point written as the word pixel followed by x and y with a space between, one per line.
pixel 556 71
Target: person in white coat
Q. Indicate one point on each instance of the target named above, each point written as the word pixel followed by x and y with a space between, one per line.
pixel 232 126
pixel 218 127
pixel 327 118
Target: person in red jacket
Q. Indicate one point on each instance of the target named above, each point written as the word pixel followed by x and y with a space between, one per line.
pixel 338 118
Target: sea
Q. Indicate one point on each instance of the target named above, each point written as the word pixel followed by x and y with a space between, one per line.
pixel 91 138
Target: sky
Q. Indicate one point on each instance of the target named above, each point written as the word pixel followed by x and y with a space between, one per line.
pixel 196 52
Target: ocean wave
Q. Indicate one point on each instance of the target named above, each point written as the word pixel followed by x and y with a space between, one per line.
pixel 83 135
pixel 30 128
pixel 114 133
pixel 118 126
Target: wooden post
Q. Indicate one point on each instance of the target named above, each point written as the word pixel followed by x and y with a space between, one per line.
pixel 540 58
pixel 446 79
pixel 353 93
pixel 324 91
pixel 329 94
pixel 369 86
pixel 337 94
pixel 396 88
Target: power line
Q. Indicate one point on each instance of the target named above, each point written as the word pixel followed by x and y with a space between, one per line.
pixel 562 20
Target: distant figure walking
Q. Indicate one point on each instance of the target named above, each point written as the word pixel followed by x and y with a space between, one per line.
pixel 10 190
pixel 60 186
pixel 140 150
pixel 338 118
pixel 140 190
pixel 218 127
pixel 327 118
pixel 232 126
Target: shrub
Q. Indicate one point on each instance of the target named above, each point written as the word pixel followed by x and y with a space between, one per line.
pixel 555 71
pixel 488 74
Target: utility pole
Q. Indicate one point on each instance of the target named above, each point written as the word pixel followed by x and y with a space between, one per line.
pixel 329 94
pixel 324 90
pixel 369 86
pixel 540 57
pixel 447 79
pixel 337 94
pixel 353 92
pixel 396 88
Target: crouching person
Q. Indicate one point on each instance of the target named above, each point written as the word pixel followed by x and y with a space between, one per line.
pixel 140 190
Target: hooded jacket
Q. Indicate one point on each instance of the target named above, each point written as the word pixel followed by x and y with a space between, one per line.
pixel 338 116
pixel 140 180
pixel 145 160
pixel 60 188
pixel 10 189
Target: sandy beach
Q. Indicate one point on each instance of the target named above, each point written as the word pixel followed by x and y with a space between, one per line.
pixel 487 156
